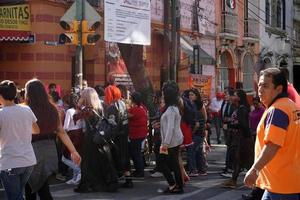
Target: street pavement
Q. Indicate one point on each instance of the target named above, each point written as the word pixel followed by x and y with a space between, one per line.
pixel 202 187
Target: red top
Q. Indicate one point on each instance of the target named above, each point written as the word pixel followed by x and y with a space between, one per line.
pixel 293 94
pixel 138 127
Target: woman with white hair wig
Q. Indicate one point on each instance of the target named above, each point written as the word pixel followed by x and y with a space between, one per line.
pixel 97 170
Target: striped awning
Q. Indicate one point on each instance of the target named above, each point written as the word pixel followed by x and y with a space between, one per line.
pixel 9 36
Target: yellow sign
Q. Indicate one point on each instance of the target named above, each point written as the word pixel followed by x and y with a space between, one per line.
pixel 202 83
pixel 15 18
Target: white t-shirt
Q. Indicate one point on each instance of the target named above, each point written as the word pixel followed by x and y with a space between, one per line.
pixel 69 122
pixel 15 137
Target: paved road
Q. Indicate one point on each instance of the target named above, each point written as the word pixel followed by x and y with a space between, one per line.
pixel 204 188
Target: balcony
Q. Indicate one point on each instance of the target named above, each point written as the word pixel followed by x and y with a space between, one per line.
pixel 251 30
pixel 297 13
pixel 229 29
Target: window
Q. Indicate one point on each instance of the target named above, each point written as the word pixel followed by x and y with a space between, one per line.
pixel 279 14
pixel 267 12
pixel 248 73
pixel 224 73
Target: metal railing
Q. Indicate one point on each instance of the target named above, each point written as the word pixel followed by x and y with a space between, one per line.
pixel 251 28
pixel 229 23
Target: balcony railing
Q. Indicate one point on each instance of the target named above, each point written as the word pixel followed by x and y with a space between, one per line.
pixel 229 23
pixel 251 28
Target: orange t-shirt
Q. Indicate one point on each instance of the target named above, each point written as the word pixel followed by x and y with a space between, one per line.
pixel 280 124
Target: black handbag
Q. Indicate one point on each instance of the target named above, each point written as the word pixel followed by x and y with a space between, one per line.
pixel 105 130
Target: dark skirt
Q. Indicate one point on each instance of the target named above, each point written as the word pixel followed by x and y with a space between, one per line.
pixel 97 168
pixel 121 152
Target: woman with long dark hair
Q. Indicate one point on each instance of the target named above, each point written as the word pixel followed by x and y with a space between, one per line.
pixel 171 139
pixel 241 141
pixel 198 162
pixel 44 144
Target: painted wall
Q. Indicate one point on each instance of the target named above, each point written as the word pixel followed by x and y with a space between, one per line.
pixel 20 62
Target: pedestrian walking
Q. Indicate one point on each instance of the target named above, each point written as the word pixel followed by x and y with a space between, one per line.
pixel 138 131
pixel 74 130
pixel 277 150
pixel 17 158
pixel 44 143
pixel 98 172
pixel 172 138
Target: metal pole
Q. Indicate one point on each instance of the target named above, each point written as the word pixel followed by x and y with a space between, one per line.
pixel 173 57
pixel 166 47
pixel 79 49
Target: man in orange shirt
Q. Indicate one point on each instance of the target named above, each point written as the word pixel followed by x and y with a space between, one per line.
pixel 277 150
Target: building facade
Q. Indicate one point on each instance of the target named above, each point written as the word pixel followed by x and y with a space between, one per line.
pixel 296 44
pixel 31 57
pixel 24 57
pixel 276 30
pixel 237 44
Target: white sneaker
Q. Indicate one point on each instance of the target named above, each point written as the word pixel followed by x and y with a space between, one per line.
pixel 70 182
pixel 77 179
pixel 156 175
pixel 227 175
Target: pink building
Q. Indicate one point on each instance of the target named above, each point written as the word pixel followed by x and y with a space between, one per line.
pixel 237 43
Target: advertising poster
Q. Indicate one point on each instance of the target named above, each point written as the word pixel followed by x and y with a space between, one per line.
pixel 127 21
pixel 115 66
pixel 202 83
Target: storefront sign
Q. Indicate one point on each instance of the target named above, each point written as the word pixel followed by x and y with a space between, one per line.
pixel 15 18
pixel 127 21
pixel 202 83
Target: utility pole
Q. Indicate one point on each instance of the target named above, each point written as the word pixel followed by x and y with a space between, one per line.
pixel 174 36
pixel 79 48
pixel 165 73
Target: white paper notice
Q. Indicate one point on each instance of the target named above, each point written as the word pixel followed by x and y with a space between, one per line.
pixel 127 21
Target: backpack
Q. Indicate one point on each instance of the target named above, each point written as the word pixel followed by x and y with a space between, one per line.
pixel 117 112
pixel 105 130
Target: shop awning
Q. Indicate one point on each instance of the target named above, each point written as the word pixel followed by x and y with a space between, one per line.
pixel 187 47
pixel 8 35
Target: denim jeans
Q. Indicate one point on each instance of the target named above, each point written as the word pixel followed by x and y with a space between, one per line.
pixel 198 157
pixel 216 122
pixel 72 165
pixel 274 196
pixel 135 147
pixel 14 181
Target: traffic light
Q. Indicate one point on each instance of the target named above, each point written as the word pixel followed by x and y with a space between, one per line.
pixel 70 37
pixel 89 37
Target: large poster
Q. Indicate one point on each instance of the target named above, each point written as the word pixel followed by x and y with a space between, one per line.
pixel 115 66
pixel 202 83
pixel 127 21
pixel 15 18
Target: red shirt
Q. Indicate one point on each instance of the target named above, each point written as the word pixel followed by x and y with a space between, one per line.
pixel 293 94
pixel 138 121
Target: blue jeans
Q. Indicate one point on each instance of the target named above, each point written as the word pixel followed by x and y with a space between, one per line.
pixel 14 181
pixel 274 196
pixel 72 165
pixel 135 147
pixel 198 160
pixel 216 122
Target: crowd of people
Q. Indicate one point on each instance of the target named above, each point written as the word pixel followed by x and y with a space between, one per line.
pixel 99 135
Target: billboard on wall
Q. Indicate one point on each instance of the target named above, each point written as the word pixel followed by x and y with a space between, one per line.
pixel 15 18
pixel 115 66
pixel 202 83
pixel 127 21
